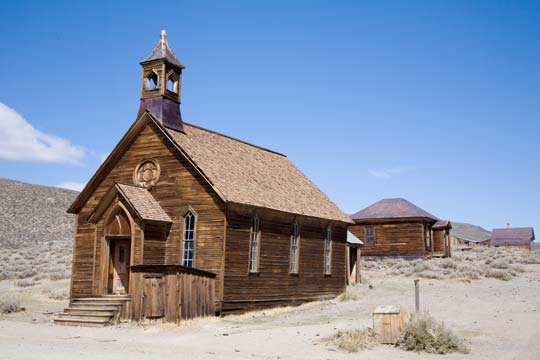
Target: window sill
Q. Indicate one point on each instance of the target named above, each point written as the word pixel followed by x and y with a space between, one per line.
pixel 253 273
pixel 327 274
pixel 294 274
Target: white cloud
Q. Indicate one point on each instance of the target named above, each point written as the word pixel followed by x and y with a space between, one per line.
pixel 386 173
pixel 71 185
pixel 20 141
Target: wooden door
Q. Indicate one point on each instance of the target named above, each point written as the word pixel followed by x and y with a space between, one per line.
pixel 121 260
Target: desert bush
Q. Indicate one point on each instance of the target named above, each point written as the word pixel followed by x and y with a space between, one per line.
pixel 448 263
pixel 499 274
pixel 354 340
pixel 10 304
pixel 58 294
pixel 347 295
pixel 500 264
pixel 25 283
pixel 428 274
pixel 56 276
pixel 424 333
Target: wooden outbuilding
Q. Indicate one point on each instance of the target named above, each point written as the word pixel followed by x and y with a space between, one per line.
pixel 520 238
pixel 181 221
pixel 353 259
pixel 396 227
pixel 465 236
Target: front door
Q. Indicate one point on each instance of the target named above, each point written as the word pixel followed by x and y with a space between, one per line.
pixel 120 252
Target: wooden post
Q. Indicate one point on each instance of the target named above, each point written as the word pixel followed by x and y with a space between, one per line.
pixel 358 274
pixel 417 295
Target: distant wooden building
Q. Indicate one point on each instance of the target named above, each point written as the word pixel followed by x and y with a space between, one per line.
pixel 176 210
pixel 513 237
pixel 465 236
pixel 396 227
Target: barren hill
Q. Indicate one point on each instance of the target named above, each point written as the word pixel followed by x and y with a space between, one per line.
pixel 36 233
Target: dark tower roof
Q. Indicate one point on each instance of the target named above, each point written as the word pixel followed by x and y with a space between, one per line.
pixel 163 51
pixel 161 85
pixel 392 208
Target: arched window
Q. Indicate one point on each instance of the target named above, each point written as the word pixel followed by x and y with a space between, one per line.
pixel 189 239
pixel 294 249
pixel 328 251
pixel 254 245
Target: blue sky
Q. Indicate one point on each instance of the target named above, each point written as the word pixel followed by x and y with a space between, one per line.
pixel 436 102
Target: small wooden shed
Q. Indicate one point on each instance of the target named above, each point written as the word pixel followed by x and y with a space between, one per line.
pixel 389 322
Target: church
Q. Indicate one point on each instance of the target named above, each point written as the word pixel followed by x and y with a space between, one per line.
pixel 181 221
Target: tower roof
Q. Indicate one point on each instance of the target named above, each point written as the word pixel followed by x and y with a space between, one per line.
pixel 162 51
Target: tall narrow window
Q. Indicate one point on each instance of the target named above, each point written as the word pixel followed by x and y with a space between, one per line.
pixel 254 245
pixel 369 232
pixel 328 251
pixel 294 249
pixel 189 239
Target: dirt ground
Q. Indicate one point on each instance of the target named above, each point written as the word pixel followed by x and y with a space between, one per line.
pixel 499 320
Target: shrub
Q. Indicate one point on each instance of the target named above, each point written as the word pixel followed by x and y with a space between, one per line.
pixel 424 333
pixel 500 264
pixel 354 340
pixel 347 296
pixel 10 304
pixel 25 283
pixel 57 276
pixel 499 274
pixel 59 294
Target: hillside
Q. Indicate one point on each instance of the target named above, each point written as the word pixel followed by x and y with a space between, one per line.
pixel 36 234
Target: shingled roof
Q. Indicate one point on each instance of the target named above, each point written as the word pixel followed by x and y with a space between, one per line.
pixel 247 174
pixel 392 209
pixel 512 236
pixel 469 232
pixel 143 203
pixel 162 50
pixel 239 172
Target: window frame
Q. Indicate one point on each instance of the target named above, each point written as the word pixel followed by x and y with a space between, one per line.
pixel 294 251
pixel 328 251
pixel 254 240
pixel 194 237
pixel 368 237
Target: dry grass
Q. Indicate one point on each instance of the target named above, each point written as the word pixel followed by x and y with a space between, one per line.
pixel 10 304
pixel 497 263
pixel 352 341
pixel 25 283
pixel 348 295
pixel 424 333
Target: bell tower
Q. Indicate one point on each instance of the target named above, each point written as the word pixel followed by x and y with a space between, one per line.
pixel 162 84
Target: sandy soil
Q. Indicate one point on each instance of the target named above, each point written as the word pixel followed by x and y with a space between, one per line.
pixel 498 319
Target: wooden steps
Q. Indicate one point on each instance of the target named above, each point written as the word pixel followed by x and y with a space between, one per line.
pixel 95 311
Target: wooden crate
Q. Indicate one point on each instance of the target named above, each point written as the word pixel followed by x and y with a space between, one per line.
pixel 389 322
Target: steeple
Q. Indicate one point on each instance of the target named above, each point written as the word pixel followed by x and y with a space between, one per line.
pixel 162 84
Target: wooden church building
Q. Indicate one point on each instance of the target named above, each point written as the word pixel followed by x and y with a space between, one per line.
pixel 397 227
pixel 181 221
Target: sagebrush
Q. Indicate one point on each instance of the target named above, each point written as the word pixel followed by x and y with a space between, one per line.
pixel 425 334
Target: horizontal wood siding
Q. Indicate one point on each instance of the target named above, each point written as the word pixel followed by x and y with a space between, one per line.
pixel 179 188
pixel 273 284
pixel 438 240
pixel 393 239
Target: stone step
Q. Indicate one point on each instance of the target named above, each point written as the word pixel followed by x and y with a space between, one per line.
pixel 76 321
pixel 89 312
